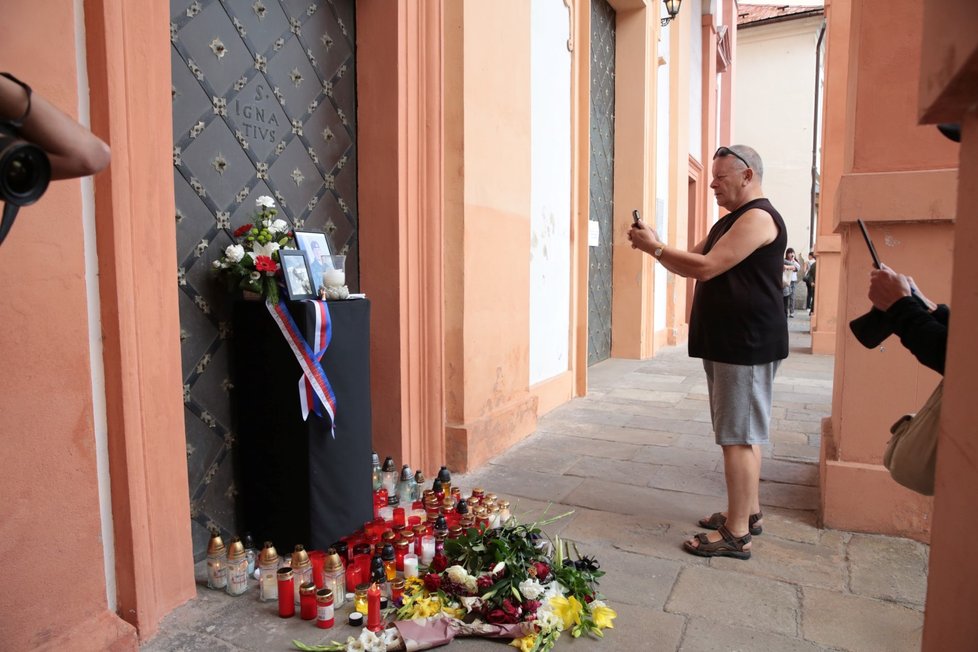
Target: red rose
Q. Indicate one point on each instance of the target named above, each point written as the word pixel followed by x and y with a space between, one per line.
pixel 531 606
pixel 432 582
pixel 496 616
pixel 511 610
pixel 542 570
pixel 439 563
pixel 265 264
pixel 241 230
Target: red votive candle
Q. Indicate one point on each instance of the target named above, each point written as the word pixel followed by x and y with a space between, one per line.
pixel 363 568
pixel 324 609
pixel 317 558
pixel 307 601
pixel 398 516
pixel 374 623
pixel 353 575
pixel 286 593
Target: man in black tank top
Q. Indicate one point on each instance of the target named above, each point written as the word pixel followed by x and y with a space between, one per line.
pixel 738 327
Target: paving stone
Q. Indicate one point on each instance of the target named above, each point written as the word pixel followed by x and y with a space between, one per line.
pixel 545 458
pixel 797 452
pixel 689 480
pixel 859 624
pixel 636 629
pixel 888 568
pixel 629 473
pixel 790 472
pixel 517 480
pixel 794 496
pixel 634 579
pixel 782 436
pixel 733 598
pixel 820 564
pixel 657 395
pixel 670 425
pixel 180 641
pixel 678 456
pixel 703 635
pixel 587 447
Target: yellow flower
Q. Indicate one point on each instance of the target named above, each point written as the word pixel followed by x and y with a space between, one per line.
pixel 603 616
pixel 526 643
pixel 569 610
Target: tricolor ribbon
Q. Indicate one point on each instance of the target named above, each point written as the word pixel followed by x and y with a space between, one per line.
pixel 314 388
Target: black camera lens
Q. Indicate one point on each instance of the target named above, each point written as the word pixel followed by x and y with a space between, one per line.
pixel 24 171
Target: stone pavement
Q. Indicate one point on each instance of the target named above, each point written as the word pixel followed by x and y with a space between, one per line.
pixel 636 462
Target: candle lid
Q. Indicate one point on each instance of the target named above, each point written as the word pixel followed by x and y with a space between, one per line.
pixel 236 550
pixel 436 486
pixel 307 588
pixel 406 473
pixel 216 544
pixel 268 555
pixel 284 573
pixel 383 602
pixel 403 543
pixel 324 595
pixel 356 619
pixel 333 561
pixel 389 464
pixel 444 475
pixel 462 507
pixel 300 558
pixel 419 477
pixel 387 552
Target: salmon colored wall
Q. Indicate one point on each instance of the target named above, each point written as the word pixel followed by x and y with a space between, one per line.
pixel 897 176
pixel 487 228
pixel 634 178
pixel 948 79
pixel 50 475
pixel 399 77
pixel 129 71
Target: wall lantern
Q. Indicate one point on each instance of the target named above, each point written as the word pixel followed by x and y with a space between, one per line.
pixel 672 8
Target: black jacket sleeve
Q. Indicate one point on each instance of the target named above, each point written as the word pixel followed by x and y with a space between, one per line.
pixel 922 332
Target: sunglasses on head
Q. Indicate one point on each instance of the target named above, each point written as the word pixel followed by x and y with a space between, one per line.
pixel 726 151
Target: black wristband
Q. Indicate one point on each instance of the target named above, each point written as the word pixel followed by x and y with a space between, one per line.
pixel 20 121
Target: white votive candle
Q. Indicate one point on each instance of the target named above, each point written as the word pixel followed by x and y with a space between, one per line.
pixel 334 278
pixel 427 549
pixel 411 564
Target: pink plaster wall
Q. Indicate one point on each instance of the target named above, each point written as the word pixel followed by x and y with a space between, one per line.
pixel 48 467
pixel 899 177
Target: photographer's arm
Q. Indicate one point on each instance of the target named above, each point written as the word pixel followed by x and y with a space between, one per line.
pixel 73 150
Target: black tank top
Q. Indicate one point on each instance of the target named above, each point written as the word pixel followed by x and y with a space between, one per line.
pixel 738 317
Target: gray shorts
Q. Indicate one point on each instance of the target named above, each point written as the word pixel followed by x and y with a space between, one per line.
pixel 740 401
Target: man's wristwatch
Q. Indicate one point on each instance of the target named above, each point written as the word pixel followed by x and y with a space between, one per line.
pixel 657 252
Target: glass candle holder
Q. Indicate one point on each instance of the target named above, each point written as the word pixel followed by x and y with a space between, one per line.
pixel 217 577
pixel 360 599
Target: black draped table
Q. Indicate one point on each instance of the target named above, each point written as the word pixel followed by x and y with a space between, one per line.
pixel 297 483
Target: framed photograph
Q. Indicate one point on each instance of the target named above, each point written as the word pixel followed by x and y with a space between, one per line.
pixel 315 246
pixel 297 275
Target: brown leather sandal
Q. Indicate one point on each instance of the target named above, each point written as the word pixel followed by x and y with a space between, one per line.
pixel 717 519
pixel 728 546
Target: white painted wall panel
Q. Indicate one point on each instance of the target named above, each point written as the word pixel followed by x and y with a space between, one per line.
pixel 550 212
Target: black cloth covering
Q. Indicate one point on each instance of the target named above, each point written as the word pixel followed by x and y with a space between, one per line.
pixel 297 483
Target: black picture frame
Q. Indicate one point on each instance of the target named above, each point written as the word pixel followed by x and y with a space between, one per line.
pixel 315 245
pixel 295 271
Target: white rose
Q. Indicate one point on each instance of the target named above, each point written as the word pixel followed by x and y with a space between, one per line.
pixel 279 226
pixel 234 253
pixel 216 264
pixel 457 574
pixel 531 589
pixel 265 201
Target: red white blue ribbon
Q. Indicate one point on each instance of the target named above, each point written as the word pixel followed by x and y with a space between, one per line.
pixel 314 387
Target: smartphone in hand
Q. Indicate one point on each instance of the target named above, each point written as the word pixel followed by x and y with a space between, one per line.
pixel 636 218
pixel 869 244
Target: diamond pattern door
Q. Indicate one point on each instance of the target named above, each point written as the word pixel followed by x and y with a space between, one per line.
pixel 602 182
pixel 264 103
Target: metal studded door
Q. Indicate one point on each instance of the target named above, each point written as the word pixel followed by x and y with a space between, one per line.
pixel 602 182
pixel 264 103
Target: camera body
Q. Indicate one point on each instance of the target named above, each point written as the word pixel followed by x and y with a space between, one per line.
pixel 25 170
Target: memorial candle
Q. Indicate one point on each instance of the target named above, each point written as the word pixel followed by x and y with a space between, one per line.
pixel 427 549
pixel 373 609
pixel 410 565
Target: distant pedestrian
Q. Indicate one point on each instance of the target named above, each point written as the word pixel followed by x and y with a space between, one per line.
pixel 791 268
pixel 738 328
pixel 810 283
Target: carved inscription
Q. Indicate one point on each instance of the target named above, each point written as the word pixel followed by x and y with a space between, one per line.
pixel 256 115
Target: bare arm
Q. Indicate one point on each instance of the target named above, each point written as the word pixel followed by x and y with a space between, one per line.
pixel 753 230
pixel 73 150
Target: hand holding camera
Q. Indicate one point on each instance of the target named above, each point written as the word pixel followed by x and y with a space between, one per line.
pixel 38 143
